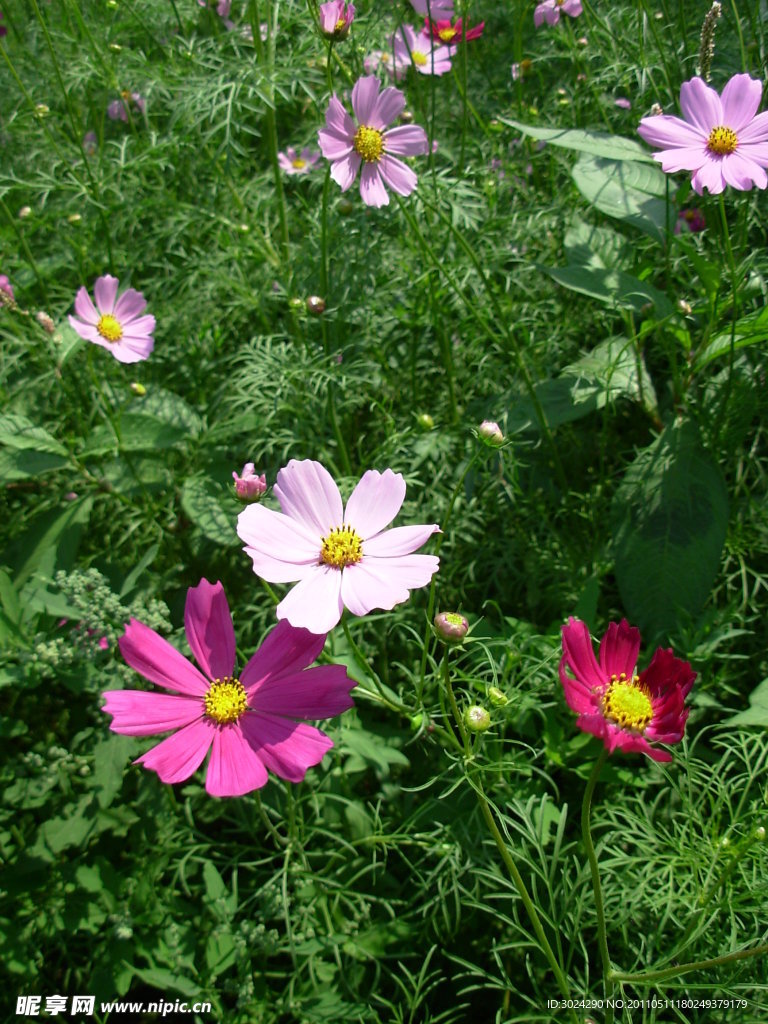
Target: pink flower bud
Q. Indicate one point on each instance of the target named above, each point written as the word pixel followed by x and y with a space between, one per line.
pixel 249 486
pixel 451 627
pixel 491 432
pixel 335 19
pixel 45 322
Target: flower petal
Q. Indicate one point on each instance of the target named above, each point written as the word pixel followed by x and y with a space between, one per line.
pixel 397 175
pixel 130 305
pixel 86 331
pixel 235 767
pixel 287 748
pixel 385 582
pixel 740 99
pixel 701 105
pixel 375 501
pixel 283 549
pixel 338 121
pixel 210 633
pixel 578 696
pixel 140 713
pixel 285 651
pixel 333 145
pixel 365 92
pixel 388 107
pixel 709 176
pixel 308 493
pixel 142 325
pixel 181 753
pixel 741 173
pixel 315 602
pixel 667 672
pixel 344 171
pixel 619 649
pixel 402 540
pixel 372 189
pixel 755 131
pixel 689 159
pixel 406 140
pixel 85 308
pixel 319 692
pixel 130 350
pixel 159 662
pixel 668 132
pixel 105 290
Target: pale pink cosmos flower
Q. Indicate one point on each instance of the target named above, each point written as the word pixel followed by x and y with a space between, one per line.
pixel 341 558
pixel 249 486
pixel 298 163
pixel 549 11
pixel 613 702
pixel 6 287
pixel 723 139
pixel 370 143
pixel 383 59
pixel 335 18
pixel 437 10
pixel 222 7
pixel 114 323
pixel 416 49
pixel 251 723
pixel 117 110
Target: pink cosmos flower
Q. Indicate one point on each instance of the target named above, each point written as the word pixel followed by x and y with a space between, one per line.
pixel 691 220
pixel 340 558
pixel 549 11
pixel 115 325
pixel 410 48
pixel 623 709
pixel 6 287
pixel 723 139
pixel 249 486
pixel 451 33
pixel 335 18
pixel 622 102
pixel 222 7
pixel 437 10
pixel 293 163
pixel 348 145
pixel 383 59
pixel 249 723
pixel 117 110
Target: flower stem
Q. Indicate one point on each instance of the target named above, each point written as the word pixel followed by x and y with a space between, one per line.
pixel 734 292
pixel 648 977
pixel 586 807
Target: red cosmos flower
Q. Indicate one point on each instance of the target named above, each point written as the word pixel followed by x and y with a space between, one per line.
pixel 623 709
pixel 451 33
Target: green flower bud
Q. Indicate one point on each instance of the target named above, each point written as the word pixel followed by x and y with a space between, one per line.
pixel 451 627
pixel 497 697
pixel 476 718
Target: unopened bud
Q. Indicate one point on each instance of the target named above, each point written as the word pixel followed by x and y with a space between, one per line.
pixel 684 307
pixel 406 117
pixel 476 718
pixel 41 110
pixel 345 207
pixel 138 389
pixel 296 303
pixel 491 432
pixel 656 109
pixel 760 833
pixel 74 218
pixel 451 626
pixel 45 322
pixel 243 229
pixel 24 212
pixel 497 697
pixel 249 486
pixel 425 421
pixel 315 305
pixel 115 48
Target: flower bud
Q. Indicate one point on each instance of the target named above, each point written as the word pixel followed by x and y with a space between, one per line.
pixel 451 627
pixel 345 207
pixel 41 110
pixel 425 421
pixel 315 305
pixel 491 432
pixel 295 303
pixel 497 697
pixel 249 486
pixel 138 389
pixel 406 117
pixel 45 322
pixel 760 833
pixel 74 218
pixel 684 307
pixel 476 718
pixel 115 48
pixel 24 212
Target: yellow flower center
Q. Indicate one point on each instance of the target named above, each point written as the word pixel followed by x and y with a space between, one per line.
pixel 298 163
pixel 628 703
pixel 226 700
pixel 369 143
pixel 340 25
pixel 109 328
pixel 447 34
pixel 722 140
pixel 418 58
pixel 341 547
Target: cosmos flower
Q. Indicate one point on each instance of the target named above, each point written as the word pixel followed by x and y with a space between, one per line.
pixel 115 325
pixel 623 709
pixel 340 558
pixel 723 139
pixel 118 110
pixel 449 33
pixel 370 143
pixel 549 11
pixel 690 220
pixel 335 18
pixel 294 163
pixel 252 723
pixel 6 287
pixel 437 10
pixel 249 486
pixel 418 50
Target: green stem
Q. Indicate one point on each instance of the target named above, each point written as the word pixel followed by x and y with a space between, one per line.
pixel 267 823
pixel 454 706
pixel 666 973
pixel 586 807
pixel 734 293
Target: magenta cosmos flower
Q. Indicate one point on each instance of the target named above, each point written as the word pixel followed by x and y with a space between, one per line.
pixel 249 723
pixel 115 325
pixel 723 139
pixel 420 51
pixel 549 11
pixel 298 163
pixel 340 558
pixel 451 33
pixel 624 709
pixel 335 19
pixel 348 145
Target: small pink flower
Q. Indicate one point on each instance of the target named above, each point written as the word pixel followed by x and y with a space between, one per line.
pixel 622 102
pixel 383 59
pixel 90 143
pixel 6 287
pixel 293 163
pixel 115 325
pixel 491 432
pixel 690 220
pixel 369 143
pixel 117 110
pixel 251 723
pixel 549 11
pixel 448 32
pixel 437 10
pixel 249 486
pixel 723 139
pixel 418 50
pixel 341 558
pixel 335 18
pixel 621 708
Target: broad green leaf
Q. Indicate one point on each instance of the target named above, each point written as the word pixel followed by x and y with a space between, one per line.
pixel 51 541
pixel 111 756
pixel 613 287
pixel 669 521
pixel 220 952
pixel 589 246
pixel 169 408
pixel 69 342
pixel 22 465
pixel 21 434
pixel 137 432
pixel 163 981
pixel 629 191
pixel 201 501
pixel 749 330
pixel 757 712
pixel 613 147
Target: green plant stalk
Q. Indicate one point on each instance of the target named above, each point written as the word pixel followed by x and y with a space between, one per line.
pixel 454 706
pixel 586 807
pixel 734 292
pixel 649 977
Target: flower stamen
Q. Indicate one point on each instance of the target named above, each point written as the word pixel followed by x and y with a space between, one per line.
pixel 342 547
pixel 109 328
pixel 418 58
pixel 447 34
pixel 627 702
pixel 368 143
pixel 722 140
pixel 298 163
pixel 225 700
